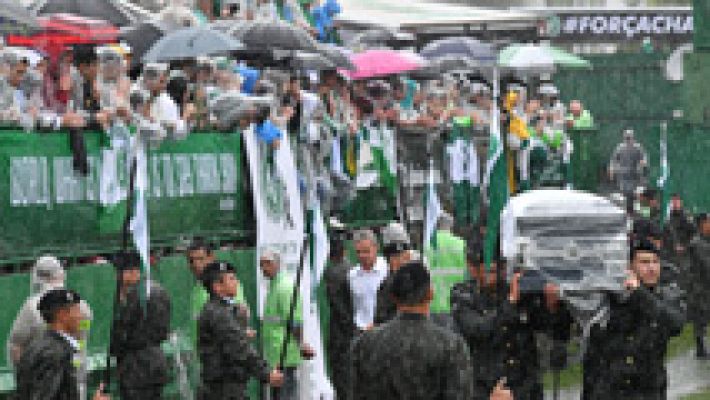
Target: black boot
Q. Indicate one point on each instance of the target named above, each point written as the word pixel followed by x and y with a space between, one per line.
pixel 700 351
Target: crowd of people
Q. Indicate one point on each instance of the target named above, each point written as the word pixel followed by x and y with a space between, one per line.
pixel 404 324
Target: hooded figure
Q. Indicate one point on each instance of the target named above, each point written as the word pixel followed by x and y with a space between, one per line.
pixel 47 274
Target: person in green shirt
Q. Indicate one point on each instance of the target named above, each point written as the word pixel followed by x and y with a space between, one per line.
pixel 447 261
pixel 579 117
pixel 199 255
pixel 277 307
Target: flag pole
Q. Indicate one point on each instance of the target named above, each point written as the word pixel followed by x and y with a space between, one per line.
pixel 119 276
pixel 663 180
pixel 294 293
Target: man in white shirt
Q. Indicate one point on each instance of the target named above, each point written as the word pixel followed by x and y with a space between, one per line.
pixel 163 108
pixel 365 279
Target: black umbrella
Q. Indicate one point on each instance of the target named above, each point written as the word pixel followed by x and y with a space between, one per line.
pixel 16 20
pixel 384 37
pixel 448 64
pixel 189 43
pixel 141 38
pixel 338 56
pixel 462 48
pixel 274 35
pixel 310 62
pixel 106 10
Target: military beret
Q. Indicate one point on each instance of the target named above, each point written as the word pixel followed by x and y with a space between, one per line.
pixel 127 261
pixel 643 246
pixel 213 272
pixel 411 283
pixel 56 299
pixel 395 248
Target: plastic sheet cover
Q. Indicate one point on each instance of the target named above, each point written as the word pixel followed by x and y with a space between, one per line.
pixel 574 239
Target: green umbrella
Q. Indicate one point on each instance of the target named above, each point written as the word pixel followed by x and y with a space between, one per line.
pixel 539 57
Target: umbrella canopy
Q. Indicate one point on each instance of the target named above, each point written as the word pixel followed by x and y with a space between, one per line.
pixel 537 57
pixel 374 63
pixel 461 48
pixel 16 20
pixel 451 63
pixel 263 35
pixel 339 56
pixel 383 37
pixel 141 38
pixel 190 43
pixel 310 62
pixel 97 9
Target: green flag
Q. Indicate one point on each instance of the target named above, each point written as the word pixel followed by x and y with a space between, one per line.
pixel 376 163
pixel 496 179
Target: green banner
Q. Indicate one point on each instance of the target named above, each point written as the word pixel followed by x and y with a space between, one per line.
pixel 195 187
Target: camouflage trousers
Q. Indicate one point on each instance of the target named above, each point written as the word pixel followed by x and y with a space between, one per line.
pixel 142 393
pixel 222 391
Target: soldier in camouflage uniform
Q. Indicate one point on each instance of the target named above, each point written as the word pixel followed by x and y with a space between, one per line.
pixel 410 357
pixel 670 273
pixel 396 249
pixel 627 342
pixel 137 334
pixel 499 323
pixel 228 359
pixel 47 369
pixel 678 233
pixel 699 272
pixel 341 328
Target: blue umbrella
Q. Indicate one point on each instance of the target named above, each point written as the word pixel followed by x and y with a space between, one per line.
pixel 191 43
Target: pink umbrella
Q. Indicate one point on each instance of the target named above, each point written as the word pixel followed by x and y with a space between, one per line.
pixel 375 63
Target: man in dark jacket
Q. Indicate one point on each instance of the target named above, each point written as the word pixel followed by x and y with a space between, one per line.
pixel 410 357
pixel 137 334
pixel 341 328
pixel 625 354
pixel 699 287
pixel 47 370
pixel 678 233
pixel 499 324
pixel 228 359
pixel 670 273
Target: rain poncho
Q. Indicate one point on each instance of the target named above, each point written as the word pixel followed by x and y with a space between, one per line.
pixel 47 274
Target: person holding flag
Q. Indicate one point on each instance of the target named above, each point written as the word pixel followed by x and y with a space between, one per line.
pixel 140 327
pixel 276 315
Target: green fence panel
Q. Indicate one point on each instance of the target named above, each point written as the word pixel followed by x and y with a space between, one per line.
pixel 96 284
pixel 688 149
pixel 195 186
pixel 14 289
pixel 622 91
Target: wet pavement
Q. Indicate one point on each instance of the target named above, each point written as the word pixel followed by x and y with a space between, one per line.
pixel 687 375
